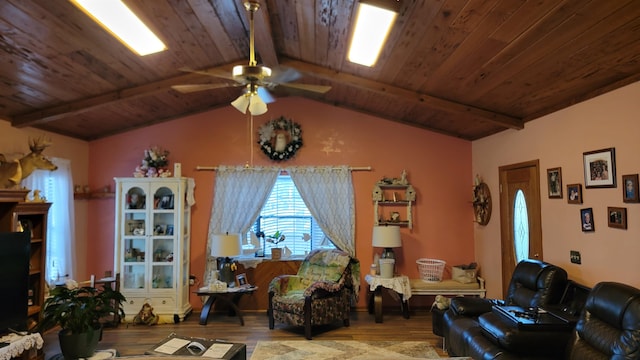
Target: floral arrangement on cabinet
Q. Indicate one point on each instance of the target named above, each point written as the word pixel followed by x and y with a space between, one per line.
pixel 154 163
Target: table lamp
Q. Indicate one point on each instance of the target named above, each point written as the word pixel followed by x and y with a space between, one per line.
pixel 387 237
pixel 224 247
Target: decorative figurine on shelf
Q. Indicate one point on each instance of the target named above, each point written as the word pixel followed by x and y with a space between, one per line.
pixel 37 198
pixel 395 181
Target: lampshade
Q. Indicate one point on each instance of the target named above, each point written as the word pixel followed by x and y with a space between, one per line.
pixel 252 100
pixel 386 236
pixel 225 245
pixel 241 103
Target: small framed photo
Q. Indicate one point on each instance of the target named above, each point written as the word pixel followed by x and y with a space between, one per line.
pixel 600 168
pixel 554 179
pixel 166 202
pixel 241 280
pixel 574 193
pixel 169 230
pixel 617 217
pixel 630 189
pixel 586 218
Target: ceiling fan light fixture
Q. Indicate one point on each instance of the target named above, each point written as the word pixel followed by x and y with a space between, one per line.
pixel 241 103
pixel 374 19
pixel 257 106
pixel 250 100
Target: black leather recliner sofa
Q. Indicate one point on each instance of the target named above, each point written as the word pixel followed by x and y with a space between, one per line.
pixel 609 326
pixel 533 284
pixel 605 325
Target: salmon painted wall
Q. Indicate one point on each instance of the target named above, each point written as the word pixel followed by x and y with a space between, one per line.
pixel 438 166
pixel 15 142
pixel 559 140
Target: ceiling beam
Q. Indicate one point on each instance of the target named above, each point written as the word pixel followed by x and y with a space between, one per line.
pixel 78 107
pixel 418 98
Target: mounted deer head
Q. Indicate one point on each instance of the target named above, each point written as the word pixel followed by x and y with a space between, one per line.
pixel 12 173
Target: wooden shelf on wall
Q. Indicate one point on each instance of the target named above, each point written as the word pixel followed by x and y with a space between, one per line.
pixel 94 195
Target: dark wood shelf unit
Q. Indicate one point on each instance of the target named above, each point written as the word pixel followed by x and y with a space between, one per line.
pixel 32 217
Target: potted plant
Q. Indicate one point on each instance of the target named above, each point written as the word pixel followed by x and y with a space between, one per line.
pixel 275 239
pixel 78 310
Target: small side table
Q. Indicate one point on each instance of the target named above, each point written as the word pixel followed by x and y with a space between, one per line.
pixel 231 297
pixel 398 285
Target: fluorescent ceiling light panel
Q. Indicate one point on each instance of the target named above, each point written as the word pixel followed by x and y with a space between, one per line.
pixel 373 25
pixel 122 23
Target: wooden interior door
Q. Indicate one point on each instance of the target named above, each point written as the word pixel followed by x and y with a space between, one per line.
pixel 513 178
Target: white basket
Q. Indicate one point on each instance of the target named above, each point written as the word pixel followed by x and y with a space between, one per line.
pixel 431 269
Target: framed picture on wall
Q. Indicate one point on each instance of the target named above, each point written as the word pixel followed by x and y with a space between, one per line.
pixel 554 180
pixel 617 217
pixel 574 193
pixel 630 188
pixel 600 168
pixel 586 218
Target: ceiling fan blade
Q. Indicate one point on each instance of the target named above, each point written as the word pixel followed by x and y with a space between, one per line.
pixel 284 75
pixel 265 95
pixel 214 72
pixel 185 89
pixel 308 87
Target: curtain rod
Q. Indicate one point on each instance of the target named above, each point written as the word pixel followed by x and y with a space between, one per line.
pixel 352 168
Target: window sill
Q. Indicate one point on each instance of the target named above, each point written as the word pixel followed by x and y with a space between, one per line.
pixel 249 261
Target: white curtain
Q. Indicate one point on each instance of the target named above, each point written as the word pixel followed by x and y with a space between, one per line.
pixel 239 194
pixel 328 193
pixel 57 187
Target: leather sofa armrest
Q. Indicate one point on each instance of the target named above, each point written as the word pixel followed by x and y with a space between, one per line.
pixel 471 306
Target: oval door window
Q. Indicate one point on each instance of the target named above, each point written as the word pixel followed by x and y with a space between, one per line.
pixel 520 227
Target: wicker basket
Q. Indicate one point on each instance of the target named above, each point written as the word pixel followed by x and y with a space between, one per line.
pixel 431 269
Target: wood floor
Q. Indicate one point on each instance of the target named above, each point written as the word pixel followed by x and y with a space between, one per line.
pixel 135 340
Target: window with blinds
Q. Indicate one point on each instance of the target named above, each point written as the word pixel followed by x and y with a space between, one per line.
pixel 285 211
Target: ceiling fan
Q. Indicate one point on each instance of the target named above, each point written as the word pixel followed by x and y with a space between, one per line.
pixel 255 79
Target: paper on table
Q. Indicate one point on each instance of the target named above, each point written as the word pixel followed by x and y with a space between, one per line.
pixel 217 351
pixel 171 346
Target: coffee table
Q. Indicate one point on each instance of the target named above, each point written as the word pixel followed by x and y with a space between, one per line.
pixel 183 347
pixel 230 297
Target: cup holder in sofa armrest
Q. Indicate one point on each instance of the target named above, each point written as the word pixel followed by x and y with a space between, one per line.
pixel 470 306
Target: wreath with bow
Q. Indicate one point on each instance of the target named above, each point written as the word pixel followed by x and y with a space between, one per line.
pixel 280 138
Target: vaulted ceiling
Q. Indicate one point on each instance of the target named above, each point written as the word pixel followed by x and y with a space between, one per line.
pixel 466 68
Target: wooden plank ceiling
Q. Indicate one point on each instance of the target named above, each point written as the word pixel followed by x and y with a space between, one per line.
pixel 466 68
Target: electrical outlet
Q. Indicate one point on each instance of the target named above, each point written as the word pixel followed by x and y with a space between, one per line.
pixel 575 257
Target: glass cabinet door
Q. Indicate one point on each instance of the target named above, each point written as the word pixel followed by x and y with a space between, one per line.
pixel 134 237
pixel 164 239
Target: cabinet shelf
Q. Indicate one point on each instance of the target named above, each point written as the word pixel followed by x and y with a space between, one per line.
pixel 394 223
pixel 395 203
pixel 33 310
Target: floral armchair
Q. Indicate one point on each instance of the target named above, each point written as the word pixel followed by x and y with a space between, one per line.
pixel 319 294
